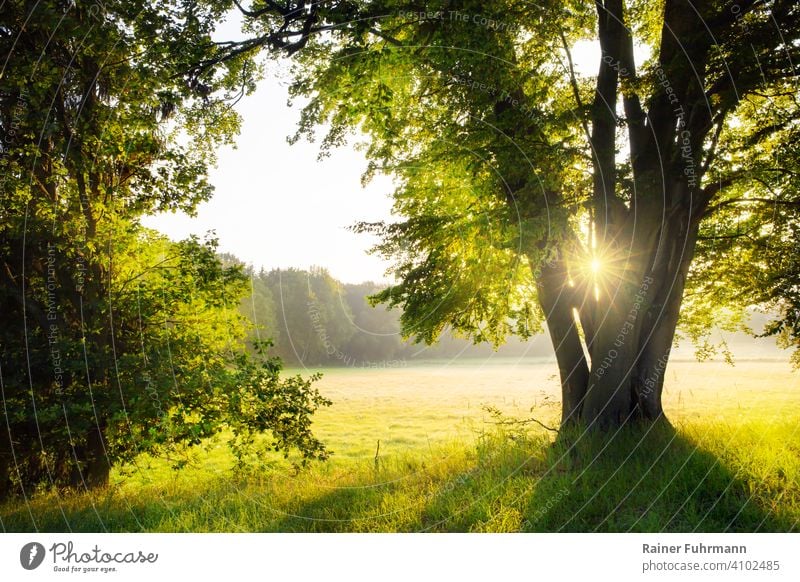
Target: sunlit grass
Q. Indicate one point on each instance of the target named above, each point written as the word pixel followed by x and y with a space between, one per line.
pixel 733 464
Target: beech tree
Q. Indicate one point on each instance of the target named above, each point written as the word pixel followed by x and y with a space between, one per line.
pixel 607 208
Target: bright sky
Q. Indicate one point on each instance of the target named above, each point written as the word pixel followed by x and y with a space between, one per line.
pixel 277 206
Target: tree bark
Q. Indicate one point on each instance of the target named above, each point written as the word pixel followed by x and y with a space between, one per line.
pixel 556 300
pixel 670 271
pixel 635 321
pixel 608 394
pixel 653 225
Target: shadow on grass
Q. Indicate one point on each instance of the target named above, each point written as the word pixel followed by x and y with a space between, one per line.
pixel 640 479
pixel 644 479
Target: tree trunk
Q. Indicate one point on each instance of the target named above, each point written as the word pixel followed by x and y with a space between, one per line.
pixel 98 465
pixel 670 272
pixel 635 322
pixel 651 226
pixel 609 395
pixel 94 467
pixel 556 300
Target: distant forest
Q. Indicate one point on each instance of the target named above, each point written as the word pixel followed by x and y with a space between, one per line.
pixel 315 320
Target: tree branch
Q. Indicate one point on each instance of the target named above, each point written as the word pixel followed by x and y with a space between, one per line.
pixel 608 207
pixel 795 203
pixel 634 114
pixel 574 83
pixel 270 7
pixel 525 421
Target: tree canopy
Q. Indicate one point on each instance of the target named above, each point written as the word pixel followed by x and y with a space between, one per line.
pixel 606 207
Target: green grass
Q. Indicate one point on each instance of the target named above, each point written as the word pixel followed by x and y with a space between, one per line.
pixel 732 464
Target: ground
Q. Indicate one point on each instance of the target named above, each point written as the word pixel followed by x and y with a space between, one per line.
pixel 443 464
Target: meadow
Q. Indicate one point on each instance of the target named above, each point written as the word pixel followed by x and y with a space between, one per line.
pixel 415 449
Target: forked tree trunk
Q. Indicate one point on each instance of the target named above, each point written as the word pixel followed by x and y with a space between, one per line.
pixel 634 325
pixel 609 399
pixel 661 319
pixel 647 232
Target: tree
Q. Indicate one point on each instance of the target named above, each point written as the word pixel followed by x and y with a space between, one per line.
pixel 532 196
pixel 115 341
pixel 376 330
pixel 258 306
pixel 314 321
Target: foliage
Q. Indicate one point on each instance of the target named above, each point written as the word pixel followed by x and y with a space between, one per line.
pixel 261 400
pixel 348 331
pixel 313 321
pixel 116 341
pixel 482 113
pixel 258 307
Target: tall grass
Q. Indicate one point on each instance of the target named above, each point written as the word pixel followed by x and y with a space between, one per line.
pixel 693 479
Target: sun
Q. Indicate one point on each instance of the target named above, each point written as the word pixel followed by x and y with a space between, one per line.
pixel 596 266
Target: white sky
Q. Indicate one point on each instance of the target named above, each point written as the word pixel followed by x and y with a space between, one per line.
pixel 276 206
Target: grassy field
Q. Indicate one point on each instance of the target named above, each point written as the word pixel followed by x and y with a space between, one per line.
pixel 733 464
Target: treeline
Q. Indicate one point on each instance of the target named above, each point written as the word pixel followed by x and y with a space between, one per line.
pixel 315 320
